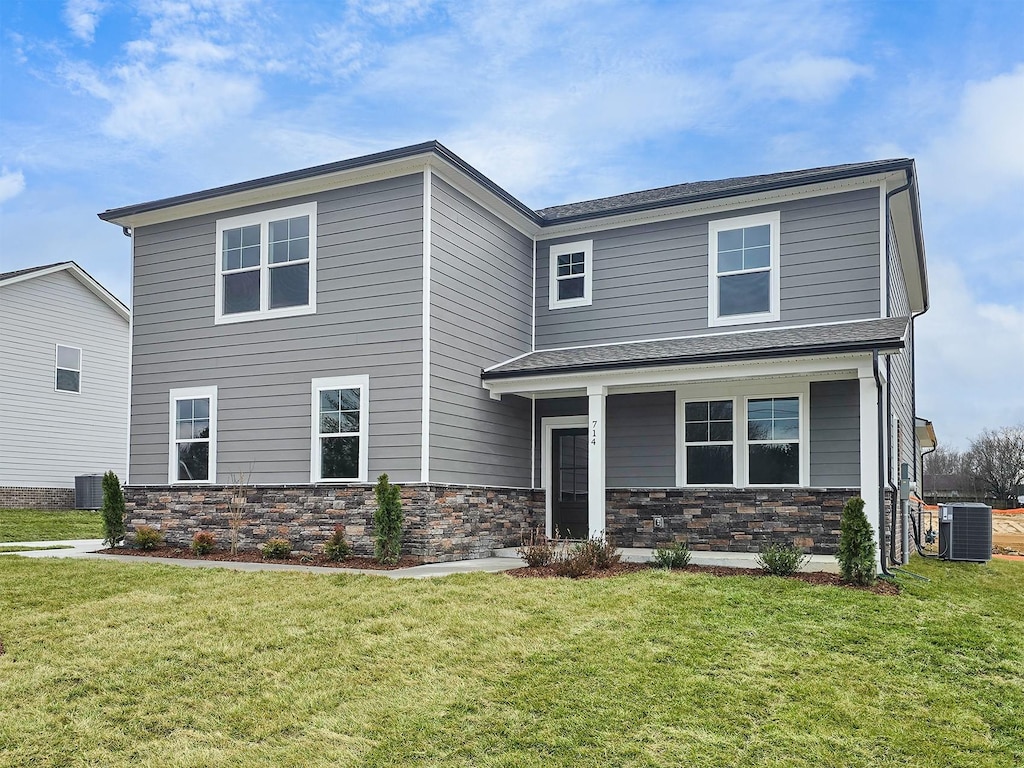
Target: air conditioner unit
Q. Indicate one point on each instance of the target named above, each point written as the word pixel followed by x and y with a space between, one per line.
pixel 965 532
pixel 88 491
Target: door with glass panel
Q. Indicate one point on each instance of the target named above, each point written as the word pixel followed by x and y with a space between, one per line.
pixel 569 457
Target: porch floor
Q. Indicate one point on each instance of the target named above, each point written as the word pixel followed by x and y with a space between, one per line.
pixel 823 563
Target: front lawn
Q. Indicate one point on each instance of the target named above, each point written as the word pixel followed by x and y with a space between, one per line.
pixel 153 665
pixel 45 525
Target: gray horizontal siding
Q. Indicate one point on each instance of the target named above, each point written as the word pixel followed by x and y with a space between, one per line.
pixel 49 437
pixel 368 321
pixel 835 434
pixel 901 370
pixel 651 280
pixel 480 314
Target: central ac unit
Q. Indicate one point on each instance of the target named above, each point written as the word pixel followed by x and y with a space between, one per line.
pixel 965 532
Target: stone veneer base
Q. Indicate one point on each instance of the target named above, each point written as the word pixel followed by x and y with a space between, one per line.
pixel 37 498
pixel 445 522
pixel 728 519
pixel 442 522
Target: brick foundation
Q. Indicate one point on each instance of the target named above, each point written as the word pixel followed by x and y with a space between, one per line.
pixel 37 498
pixel 442 523
pixel 727 519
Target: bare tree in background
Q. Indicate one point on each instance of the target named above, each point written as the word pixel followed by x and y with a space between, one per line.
pixel 945 461
pixel 996 461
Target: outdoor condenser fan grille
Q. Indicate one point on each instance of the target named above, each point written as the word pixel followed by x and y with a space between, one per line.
pixel 88 491
pixel 965 532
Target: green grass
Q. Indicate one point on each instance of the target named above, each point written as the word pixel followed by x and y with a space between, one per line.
pixel 151 665
pixel 29 549
pixel 44 525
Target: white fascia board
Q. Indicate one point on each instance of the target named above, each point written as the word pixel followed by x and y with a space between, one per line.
pixel 910 259
pixel 81 276
pixel 278 192
pixel 721 205
pixel 849 365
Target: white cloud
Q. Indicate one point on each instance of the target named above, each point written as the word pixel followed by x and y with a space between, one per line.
pixel 979 155
pixel 12 184
pixel 82 17
pixel 802 77
pixel 969 357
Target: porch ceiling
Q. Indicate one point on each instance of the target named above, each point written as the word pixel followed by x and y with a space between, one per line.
pixel 886 334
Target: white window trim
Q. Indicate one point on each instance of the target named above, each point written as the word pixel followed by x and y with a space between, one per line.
pixel 773 219
pixel 360 382
pixel 57 366
pixel 191 393
pixel 803 442
pixel 263 219
pixel 681 431
pixel 587 248
pixel 740 392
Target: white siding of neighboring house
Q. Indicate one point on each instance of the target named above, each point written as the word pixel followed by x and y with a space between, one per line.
pixel 48 437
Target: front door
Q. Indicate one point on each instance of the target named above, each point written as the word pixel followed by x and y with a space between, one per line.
pixel 569 457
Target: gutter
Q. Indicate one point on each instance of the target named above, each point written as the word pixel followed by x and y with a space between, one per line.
pixel 718 357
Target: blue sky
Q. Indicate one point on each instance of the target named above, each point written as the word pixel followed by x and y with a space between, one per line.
pixel 106 103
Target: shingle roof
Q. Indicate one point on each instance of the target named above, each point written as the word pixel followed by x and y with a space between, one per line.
pixel 706 190
pixel 855 336
pixel 20 272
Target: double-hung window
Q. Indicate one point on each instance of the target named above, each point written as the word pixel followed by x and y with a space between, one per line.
pixel 708 437
pixel 773 441
pixel 743 269
pixel 571 272
pixel 340 407
pixel 68 375
pixel 193 438
pixel 266 264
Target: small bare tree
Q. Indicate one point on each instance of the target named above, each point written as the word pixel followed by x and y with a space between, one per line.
pixel 236 508
pixel 996 461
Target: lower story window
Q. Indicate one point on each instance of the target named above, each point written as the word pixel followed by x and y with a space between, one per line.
pixel 773 441
pixel 193 435
pixel 339 428
pixel 708 434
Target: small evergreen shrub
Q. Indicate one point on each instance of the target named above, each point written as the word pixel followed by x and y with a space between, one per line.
pixel 676 555
pixel 856 553
pixel 113 510
pixel 781 559
pixel 387 521
pixel 336 547
pixel 538 551
pixel 203 543
pixel 147 537
pixel 277 549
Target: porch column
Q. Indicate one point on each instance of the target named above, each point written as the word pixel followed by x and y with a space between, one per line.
pixel 869 479
pixel 595 465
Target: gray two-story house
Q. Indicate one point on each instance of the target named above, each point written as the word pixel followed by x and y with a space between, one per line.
pixel 721 362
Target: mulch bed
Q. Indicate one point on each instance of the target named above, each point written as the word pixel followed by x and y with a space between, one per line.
pixel 880 587
pixel 249 556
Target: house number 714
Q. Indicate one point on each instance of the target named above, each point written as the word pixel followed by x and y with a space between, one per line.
pixel 593 434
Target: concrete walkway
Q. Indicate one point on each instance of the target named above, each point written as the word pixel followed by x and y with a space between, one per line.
pixel 503 560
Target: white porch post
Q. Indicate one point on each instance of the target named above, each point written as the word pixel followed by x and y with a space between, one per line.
pixel 869 479
pixel 595 465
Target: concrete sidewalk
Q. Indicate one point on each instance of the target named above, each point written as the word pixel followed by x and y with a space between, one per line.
pixel 503 560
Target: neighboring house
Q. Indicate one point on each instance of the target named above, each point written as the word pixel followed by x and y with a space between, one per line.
pixel 724 362
pixel 63 384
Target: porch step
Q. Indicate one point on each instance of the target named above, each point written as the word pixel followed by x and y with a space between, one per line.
pixel 824 563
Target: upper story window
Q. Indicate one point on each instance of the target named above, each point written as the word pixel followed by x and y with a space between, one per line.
pixel 193 439
pixel 68 376
pixel 743 256
pixel 266 264
pixel 340 409
pixel 571 274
